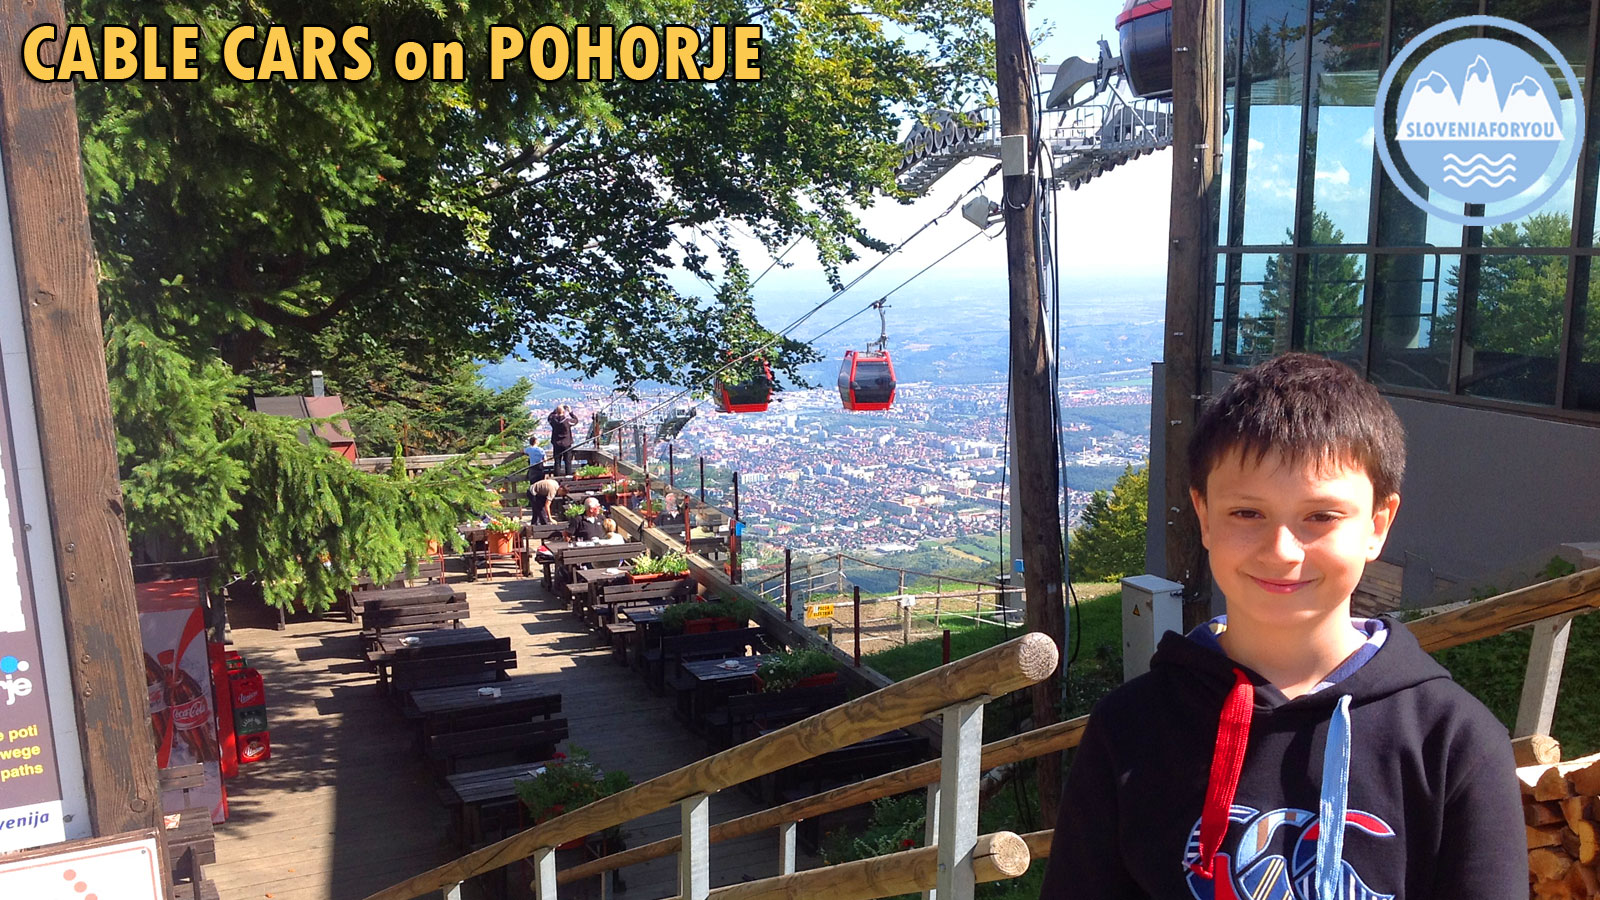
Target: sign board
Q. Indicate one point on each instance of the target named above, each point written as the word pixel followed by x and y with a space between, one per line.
pixel 120 867
pixel 819 611
pixel 30 787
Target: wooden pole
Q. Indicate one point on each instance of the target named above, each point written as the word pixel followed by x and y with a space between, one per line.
pixel 734 573
pixel 62 329
pixel 788 583
pixel 1033 412
pixel 946 657
pixel 857 606
pixel 1191 272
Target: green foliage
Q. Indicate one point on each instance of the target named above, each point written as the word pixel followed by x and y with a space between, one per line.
pixel 202 471
pixel 569 782
pixel 282 221
pixel 1329 318
pixel 781 671
pixel 573 511
pixel 1109 542
pixel 501 525
pixel 666 564
pixel 653 505
pixel 896 824
pixel 591 472
pixel 673 617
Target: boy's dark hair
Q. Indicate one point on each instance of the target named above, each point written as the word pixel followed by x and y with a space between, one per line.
pixel 1308 408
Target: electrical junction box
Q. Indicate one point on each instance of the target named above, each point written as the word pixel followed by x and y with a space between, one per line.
pixel 1013 154
pixel 1151 607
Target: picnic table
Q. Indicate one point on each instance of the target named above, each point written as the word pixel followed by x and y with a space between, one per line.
pixel 709 683
pixel 388 647
pixel 646 633
pixel 520 698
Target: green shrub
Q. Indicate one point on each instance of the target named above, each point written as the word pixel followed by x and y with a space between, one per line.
pixel 782 671
pixel 674 616
pixel 591 472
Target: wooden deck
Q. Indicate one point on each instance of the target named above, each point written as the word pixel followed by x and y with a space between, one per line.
pixel 345 806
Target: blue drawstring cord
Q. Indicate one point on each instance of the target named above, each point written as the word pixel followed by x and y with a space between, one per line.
pixel 1334 804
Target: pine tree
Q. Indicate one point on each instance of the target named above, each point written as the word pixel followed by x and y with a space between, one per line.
pixel 1109 542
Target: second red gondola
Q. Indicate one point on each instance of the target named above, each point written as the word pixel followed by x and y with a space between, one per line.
pixel 866 380
pixel 749 394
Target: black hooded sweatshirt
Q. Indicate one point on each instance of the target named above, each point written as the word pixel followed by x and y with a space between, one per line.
pixel 1430 805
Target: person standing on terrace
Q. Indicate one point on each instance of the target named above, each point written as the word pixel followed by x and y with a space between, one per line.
pixel 542 494
pixel 562 418
pixel 1286 749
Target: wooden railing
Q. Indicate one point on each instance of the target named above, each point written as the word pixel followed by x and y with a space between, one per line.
pixel 957 692
pixel 1555 599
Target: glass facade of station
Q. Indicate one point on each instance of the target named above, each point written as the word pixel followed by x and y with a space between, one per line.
pixel 1318 250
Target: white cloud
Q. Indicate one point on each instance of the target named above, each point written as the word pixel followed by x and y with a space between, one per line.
pixel 1367 138
pixel 1338 175
pixel 1255 145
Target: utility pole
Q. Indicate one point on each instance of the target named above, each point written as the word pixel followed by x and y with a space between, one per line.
pixel 1037 479
pixel 1191 271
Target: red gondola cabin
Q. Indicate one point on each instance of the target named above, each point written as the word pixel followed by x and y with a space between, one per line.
pixel 866 380
pixel 747 396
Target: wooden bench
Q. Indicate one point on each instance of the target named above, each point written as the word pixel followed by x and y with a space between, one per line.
pixel 451 709
pixel 747 715
pixel 536 739
pixel 567 588
pixel 713 645
pixel 602 609
pixel 874 756
pixel 204 890
pixel 427 605
pixel 445 669
pixel 191 845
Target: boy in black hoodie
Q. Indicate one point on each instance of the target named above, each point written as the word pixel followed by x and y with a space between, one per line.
pixel 1286 751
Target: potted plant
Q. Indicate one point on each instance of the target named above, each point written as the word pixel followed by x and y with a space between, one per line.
pixel 500 530
pixel 804 667
pixel 622 486
pixel 573 511
pixel 566 783
pixel 699 618
pixel 591 472
pixel 650 510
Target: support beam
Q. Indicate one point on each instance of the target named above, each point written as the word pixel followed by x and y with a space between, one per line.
pixel 544 868
pixel 1191 272
pixel 86 552
pixel 694 858
pixel 788 853
pixel 961 766
pixel 1542 680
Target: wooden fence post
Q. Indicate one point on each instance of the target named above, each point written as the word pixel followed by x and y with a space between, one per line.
pixel 544 867
pixel 1542 680
pixel 694 858
pixel 959 770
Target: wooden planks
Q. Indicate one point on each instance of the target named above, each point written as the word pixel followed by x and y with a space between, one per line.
pixel 306 823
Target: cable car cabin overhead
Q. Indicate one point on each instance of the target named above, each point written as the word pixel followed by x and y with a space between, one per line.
pixel 746 391
pixel 1144 29
pixel 866 380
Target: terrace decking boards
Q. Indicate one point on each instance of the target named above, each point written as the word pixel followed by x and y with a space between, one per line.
pixel 347 806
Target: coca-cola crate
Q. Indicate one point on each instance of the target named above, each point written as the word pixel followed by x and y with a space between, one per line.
pixel 250 720
pixel 254 748
pixel 232 661
pixel 247 688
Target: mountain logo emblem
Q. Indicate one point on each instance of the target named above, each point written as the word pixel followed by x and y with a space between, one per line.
pixel 1481 126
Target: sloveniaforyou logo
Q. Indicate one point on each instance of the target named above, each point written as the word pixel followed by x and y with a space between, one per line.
pixel 1480 121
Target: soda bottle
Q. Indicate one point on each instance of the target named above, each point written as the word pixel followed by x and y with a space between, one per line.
pixel 155 683
pixel 191 714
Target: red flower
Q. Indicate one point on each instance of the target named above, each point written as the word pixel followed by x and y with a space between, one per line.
pixel 908 843
pixel 559 755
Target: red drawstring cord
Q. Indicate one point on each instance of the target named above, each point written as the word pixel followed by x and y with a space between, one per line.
pixel 1227 762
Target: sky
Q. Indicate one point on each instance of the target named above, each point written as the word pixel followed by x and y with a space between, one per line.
pixel 1113 229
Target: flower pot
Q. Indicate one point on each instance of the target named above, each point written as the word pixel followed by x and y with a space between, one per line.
pixel 435 547
pixel 699 626
pixel 649 516
pixel 817 680
pixel 499 542
pixel 726 624
pixel 644 579
pixel 551 813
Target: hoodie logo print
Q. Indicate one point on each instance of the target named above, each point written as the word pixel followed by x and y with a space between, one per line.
pixel 1254 872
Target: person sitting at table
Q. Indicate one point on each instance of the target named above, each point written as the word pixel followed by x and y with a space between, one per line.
pixel 542 495
pixel 591 525
pixel 613 536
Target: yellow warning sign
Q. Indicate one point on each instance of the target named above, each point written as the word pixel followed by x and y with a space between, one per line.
pixel 819 611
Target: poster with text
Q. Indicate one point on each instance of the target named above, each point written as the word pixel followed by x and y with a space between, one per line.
pixel 30 787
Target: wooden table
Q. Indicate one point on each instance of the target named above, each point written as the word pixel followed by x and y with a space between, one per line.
pixel 390 646
pixel 648 620
pixel 714 681
pixel 439 707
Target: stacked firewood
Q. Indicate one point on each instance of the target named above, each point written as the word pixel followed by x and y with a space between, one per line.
pixel 1561 806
